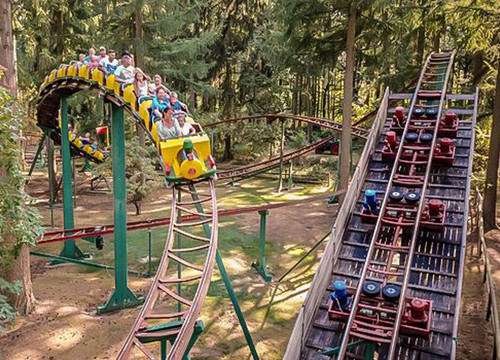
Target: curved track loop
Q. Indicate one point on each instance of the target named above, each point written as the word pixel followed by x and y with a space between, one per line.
pixel 145 330
pixel 150 325
pixel 325 123
pixel 253 169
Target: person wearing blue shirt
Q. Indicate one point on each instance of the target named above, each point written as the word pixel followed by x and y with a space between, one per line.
pixel 176 105
pixel 160 104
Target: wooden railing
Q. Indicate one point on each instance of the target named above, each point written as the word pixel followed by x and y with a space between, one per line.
pixel 477 225
pixel 322 276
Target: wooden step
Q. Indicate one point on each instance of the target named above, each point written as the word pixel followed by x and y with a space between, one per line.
pixel 190 249
pixel 199 201
pixel 180 280
pixel 184 262
pixel 174 295
pixel 194 223
pixel 191 236
pixel 192 212
pixel 165 316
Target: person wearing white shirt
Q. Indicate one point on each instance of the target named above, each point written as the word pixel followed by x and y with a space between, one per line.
pixel 186 128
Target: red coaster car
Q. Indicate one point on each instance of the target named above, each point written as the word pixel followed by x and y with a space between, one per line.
pixel 444 153
pixel 433 215
pixel 376 317
pixel 398 120
pixel 391 146
pixel 448 126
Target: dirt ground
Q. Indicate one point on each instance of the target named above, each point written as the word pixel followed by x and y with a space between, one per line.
pixel 65 322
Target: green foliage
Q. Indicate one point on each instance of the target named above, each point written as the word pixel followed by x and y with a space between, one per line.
pixel 19 222
pixel 7 312
pixel 141 177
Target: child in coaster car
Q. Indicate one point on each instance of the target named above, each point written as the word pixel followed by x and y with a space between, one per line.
pixel 186 128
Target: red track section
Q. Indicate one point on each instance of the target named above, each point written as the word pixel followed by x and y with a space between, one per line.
pixel 249 170
pixel 100 230
pixel 328 124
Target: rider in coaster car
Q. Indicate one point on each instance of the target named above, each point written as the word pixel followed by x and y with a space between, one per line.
pixel 103 57
pixel 124 73
pixel 160 104
pixel 186 128
pixel 153 88
pixel 140 83
pixel 176 104
pixel 109 65
pixel 88 58
pixel 82 60
pixel 168 128
pixel 85 140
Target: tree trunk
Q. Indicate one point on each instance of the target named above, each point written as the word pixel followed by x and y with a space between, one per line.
pixel 7 53
pixel 345 155
pixel 20 268
pixel 490 193
pixel 137 205
pixel 139 34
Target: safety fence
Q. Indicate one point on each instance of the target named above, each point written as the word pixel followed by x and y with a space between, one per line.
pixel 477 229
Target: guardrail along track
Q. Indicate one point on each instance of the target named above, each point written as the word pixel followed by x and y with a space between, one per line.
pixel 192 262
pixel 419 262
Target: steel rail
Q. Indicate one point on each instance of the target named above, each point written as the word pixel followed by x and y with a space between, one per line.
pixel 413 242
pixel 326 123
pixel 156 290
pixel 466 215
pixel 56 236
pixel 248 170
pixel 376 231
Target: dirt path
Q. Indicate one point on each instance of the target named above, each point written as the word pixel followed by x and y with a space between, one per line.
pixel 65 322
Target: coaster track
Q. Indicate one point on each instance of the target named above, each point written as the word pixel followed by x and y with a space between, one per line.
pixel 423 263
pixel 154 323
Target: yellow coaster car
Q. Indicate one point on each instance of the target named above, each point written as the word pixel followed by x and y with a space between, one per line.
pixel 187 157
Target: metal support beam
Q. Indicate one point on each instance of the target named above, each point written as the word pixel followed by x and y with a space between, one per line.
pixel 282 146
pixel 61 259
pixel 260 264
pixel 303 257
pixel 37 154
pixel 179 246
pixel 227 283
pixel 52 175
pixel 69 250
pixel 122 296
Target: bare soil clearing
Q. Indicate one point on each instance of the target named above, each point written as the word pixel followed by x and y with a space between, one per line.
pixel 65 322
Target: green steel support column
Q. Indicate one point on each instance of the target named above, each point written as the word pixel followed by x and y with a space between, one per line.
pixel 303 257
pixel 74 182
pixel 51 170
pixel 69 250
pixel 199 327
pixel 163 350
pixel 37 154
pixel 282 145
pixel 260 265
pixel 227 283
pixel 122 296
pixel 150 265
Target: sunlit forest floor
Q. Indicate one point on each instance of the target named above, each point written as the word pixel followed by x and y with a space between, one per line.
pixel 65 322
